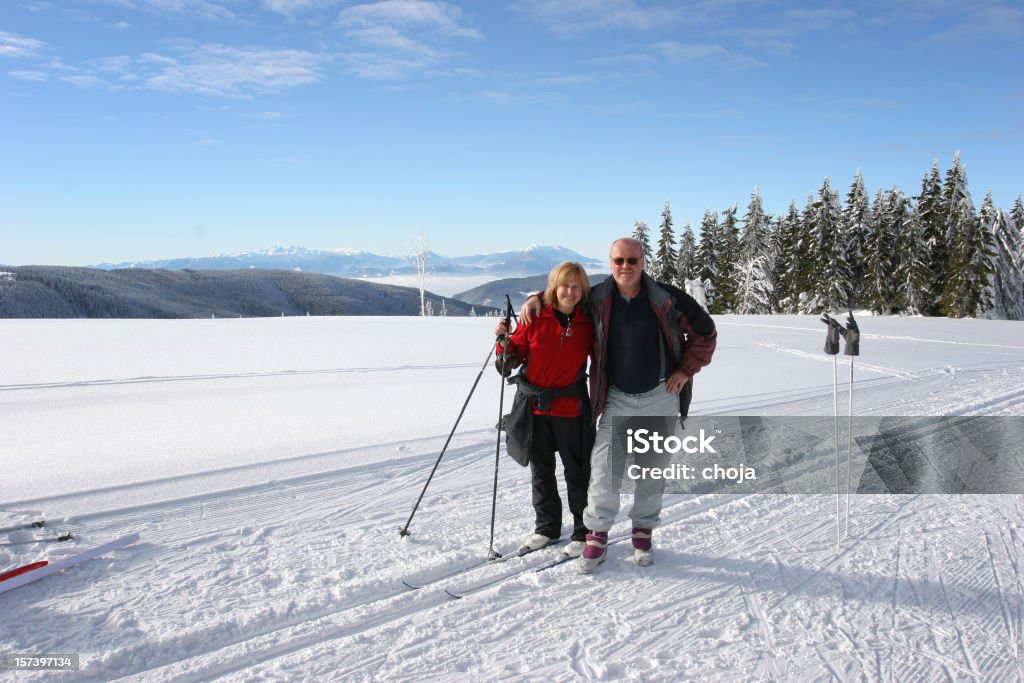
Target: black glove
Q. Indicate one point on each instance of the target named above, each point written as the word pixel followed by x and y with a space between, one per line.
pixel 851 337
pixel 512 361
pixel 832 336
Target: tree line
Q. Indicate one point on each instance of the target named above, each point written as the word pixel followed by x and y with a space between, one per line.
pixel 933 254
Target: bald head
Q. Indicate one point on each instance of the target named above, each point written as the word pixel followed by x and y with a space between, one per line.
pixel 634 243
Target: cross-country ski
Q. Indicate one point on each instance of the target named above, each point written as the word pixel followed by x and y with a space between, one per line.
pixel 17 571
pixel 446 575
pixel 67 562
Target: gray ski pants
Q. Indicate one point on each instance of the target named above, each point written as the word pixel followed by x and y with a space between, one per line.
pixel 607 463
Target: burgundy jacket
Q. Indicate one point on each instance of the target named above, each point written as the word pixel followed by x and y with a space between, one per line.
pixel 686 327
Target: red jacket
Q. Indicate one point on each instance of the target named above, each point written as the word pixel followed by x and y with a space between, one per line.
pixel 554 361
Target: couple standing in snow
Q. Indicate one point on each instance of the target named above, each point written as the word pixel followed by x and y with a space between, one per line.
pixel 645 341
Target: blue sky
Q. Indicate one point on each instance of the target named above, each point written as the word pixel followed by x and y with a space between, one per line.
pixel 139 129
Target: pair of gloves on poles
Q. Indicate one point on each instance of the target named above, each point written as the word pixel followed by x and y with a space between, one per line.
pixel 850 334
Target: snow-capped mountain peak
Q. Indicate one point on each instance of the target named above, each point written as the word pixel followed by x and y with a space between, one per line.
pixel 352 262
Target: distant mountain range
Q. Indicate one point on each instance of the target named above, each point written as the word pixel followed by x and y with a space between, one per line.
pixel 64 292
pixel 355 263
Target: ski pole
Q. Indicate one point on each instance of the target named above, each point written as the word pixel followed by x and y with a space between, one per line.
pixel 492 554
pixel 835 419
pixel 38 524
pixel 832 348
pixel 404 531
pixel 851 348
pixel 55 539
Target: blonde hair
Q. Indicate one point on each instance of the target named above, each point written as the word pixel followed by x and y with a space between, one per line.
pixel 566 272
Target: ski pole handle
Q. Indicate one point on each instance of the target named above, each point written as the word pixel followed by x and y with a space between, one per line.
pixel 851 336
pixel 832 335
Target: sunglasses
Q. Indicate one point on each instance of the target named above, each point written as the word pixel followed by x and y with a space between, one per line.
pixel 619 260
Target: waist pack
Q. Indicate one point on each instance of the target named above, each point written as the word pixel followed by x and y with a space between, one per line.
pixel 518 424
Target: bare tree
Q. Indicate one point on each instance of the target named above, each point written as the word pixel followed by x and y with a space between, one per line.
pixel 420 256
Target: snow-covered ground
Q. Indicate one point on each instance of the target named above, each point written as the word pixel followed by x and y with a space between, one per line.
pixel 268 464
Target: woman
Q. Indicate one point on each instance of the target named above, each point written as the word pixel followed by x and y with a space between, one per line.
pixel 554 348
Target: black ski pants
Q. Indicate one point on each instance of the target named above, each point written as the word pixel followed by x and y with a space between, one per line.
pixel 572 437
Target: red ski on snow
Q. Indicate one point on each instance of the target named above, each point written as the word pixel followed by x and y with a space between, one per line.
pixel 22 570
pixel 34 572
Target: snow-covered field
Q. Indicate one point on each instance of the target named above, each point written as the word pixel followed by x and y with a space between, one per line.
pixel 268 464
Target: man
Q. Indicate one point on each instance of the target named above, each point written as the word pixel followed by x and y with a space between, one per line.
pixel 650 339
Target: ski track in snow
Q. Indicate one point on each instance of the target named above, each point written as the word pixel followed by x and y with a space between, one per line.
pixel 238 375
pixel 295 573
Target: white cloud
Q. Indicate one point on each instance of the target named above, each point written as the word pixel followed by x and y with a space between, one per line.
pixel 703 52
pixel 986 22
pixel 634 59
pixel 441 17
pixel 389 38
pixel 84 81
pixel 290 7
pixel 569 17
pixel 29 75
pixel 12 45
pixel 117 65
pixel 204 9
pixel 510 99
pixel 563 80
pixel 397 38
pixel 374 66
pixel 230 72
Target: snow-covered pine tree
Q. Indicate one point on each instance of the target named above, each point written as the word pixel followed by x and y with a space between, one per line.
pixel 1007 281
pixel 663 269
pixel 685 269
pixel 1017 215
pixel 756 287
pixel 1017 218
pixel 785 252
pixel 856 224
pixel 640 234
pixel 898 208
pixel 876 256
pixel 756 226
pixel 882 256
pixel 831 278
pixel 727 287
pixel 915 297
pixel 807 296
pixel 966 293
pixel 707 262
pixel 932 218
pixel 954 191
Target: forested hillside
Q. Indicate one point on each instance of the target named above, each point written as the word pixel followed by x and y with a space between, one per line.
pixel 65 292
